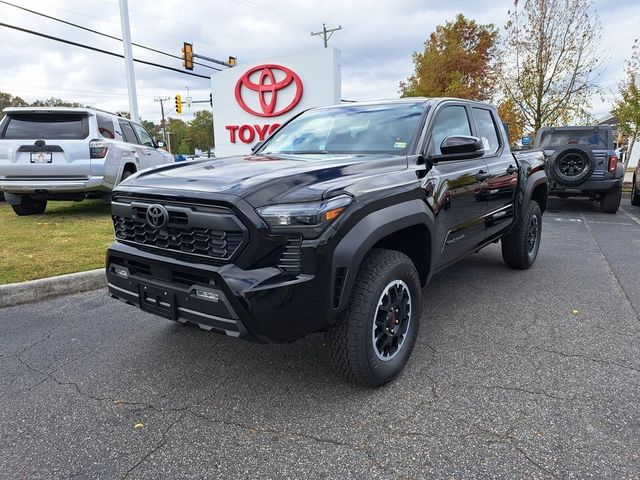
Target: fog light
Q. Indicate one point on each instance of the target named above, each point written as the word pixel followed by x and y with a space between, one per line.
pixel 207 295
pixel 120 271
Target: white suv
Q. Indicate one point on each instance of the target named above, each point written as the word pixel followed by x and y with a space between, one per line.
pixel 69 154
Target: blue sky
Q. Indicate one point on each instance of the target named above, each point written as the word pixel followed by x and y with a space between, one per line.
pixel 376 42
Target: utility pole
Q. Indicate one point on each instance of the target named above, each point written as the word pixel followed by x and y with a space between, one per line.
pixel 128 60
pixel 164 125
pixel 326 34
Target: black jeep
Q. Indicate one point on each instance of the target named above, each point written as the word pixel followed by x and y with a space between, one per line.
pixel 581 162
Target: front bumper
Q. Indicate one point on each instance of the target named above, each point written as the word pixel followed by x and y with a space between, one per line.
pixel 54 185
pixel 260 305
pixel 590 186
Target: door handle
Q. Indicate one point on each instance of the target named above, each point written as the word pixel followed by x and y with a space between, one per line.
pixel 481 176
pixel 511 169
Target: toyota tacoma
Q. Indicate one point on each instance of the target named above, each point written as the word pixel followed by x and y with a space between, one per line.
pixel 335 223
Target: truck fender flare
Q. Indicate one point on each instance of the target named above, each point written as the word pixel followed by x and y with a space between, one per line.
pixel 353 247
pixel 524 195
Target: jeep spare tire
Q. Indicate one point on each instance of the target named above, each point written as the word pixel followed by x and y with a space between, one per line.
pixel 571 165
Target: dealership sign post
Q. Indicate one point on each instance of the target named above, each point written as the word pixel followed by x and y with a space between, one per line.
pixel 251 100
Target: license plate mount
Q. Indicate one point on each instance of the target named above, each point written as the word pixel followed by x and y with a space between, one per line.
pixel 41 157
pixel 158 301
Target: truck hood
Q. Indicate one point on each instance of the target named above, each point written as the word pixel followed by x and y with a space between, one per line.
pixel 268 179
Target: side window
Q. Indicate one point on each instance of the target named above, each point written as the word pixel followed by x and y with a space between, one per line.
pixel 486 130
pixel 449 121
pixel 143 135
pixel 105 126
pixel 127 133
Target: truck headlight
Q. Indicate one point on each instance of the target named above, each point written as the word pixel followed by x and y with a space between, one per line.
pixel 310 219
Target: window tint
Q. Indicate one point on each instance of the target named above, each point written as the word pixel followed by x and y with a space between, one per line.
pixel 486 130
pixel 587 138
pixel 127 133
pixel 105 126
pixel 46 126
pixel 143 135
pixel 449 121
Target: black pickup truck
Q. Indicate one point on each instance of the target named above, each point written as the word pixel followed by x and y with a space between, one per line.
pixel 335 223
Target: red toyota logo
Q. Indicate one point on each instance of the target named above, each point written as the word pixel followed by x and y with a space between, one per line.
pixel 270 83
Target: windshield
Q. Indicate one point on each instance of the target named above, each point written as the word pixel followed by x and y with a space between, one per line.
pixel 349 129
pixel 586 138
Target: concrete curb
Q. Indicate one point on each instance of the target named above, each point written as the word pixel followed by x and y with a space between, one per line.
pixel 35 290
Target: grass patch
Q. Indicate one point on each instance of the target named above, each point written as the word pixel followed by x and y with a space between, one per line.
pixel 69 237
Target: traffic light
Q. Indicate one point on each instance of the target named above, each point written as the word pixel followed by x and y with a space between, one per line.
pixel 187 56
pixel 233 61
pixel 211 99
pixel 178 103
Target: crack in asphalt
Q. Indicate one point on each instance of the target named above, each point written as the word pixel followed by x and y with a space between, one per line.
pixel 586 357
pixel 164 439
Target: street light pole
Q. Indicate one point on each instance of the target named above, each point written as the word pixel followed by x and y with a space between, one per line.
pixel 128 60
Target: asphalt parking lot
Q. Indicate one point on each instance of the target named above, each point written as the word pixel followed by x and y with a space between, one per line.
pixel 516 374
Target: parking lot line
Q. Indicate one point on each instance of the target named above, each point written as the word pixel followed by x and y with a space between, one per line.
pixel 630 215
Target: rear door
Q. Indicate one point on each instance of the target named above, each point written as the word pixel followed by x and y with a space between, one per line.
pixel 132 150
pixel 499 190
pixel 40 144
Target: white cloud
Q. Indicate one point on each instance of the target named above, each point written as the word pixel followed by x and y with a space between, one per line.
pixel 376 41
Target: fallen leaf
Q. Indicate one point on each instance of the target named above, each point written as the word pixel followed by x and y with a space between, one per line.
pixel 139 426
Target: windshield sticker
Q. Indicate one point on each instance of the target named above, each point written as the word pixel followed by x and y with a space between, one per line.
pixel 400 145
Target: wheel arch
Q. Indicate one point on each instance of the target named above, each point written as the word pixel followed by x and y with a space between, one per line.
pixel 407 227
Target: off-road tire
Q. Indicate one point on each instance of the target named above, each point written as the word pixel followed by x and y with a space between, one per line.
pixel 516 247
pixel 352 337
pixel 575 154
pixel 635 194
pixel 29 206
pixel 610 201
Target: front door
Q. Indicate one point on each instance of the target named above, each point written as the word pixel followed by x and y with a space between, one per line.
pixel 460 211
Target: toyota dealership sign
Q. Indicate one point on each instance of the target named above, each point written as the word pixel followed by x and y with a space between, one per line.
pixel 250 101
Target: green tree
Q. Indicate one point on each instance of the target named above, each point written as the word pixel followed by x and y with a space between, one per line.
pixel 177 130
pixel 55 102
pixel 627 107
pixel 200 131
pixel 550 57
pixel 459 60
pixel 8 100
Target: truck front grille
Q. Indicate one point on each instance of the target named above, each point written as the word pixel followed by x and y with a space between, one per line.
pixel 213 232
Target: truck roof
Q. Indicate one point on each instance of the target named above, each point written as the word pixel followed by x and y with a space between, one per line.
pixel 425 100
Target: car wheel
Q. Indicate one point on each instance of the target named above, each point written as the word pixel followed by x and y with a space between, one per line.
pixel 610 201
pixel 635 194
pixel 29 206
pixel 373 339
pixel 520 248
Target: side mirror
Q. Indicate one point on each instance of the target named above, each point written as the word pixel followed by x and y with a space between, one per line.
pixel 459 147
pixel 160 143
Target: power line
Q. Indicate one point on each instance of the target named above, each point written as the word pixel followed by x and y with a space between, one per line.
pixel 113 37
pixel 100 50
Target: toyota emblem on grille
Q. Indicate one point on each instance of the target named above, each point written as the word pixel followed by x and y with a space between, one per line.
pixel 157 216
